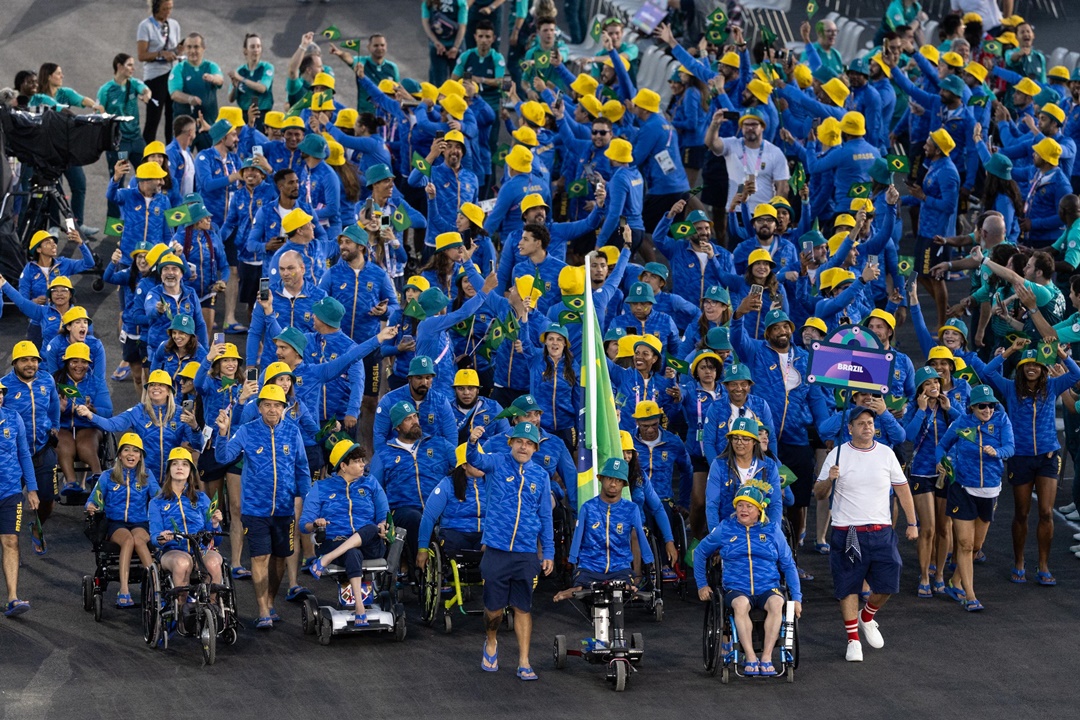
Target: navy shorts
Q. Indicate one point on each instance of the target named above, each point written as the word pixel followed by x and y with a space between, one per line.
pixel 453 542
pixel 210 470
pixel 115 525
pixel 879 564
pixel 508 579
pixel 1023 469
pixel 269 535
pixel 248 282
pixel 135 351
pixel 11 514
pixel 693 157
pixel 586 577
pixel 372 549
pixel 921 484
pixel 927 255
pixel 756 601
pixel 965 506
pixel 372 373
pixel 45 474
pixel 230 250
pixel 800 458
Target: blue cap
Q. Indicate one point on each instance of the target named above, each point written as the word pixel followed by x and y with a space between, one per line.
pixel 219 130
pixel 315 146
pixel 697 216
pixel 641 293
pixel 614 334
pixel 981 394
pixel 421 365
pixel 719 338
pixel 953 84
pixel 526 403
pixel 293 338
pixel 357 234
pixel 737 371
pixel 400 411
pixel 776 316
pixel 657 269
pixel 433 300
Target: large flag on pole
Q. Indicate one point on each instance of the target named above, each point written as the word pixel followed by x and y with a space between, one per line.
pixel 600 438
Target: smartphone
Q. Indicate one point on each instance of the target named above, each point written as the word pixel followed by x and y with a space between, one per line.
pixel 219 338
pixel 253 374
pixel 872 259
pixel 507 84
pixel 756 290
pixel 384 222
pixel 264 289
pixel 439 135
pixel 368 204
pixel 69 224
pixel 622 221
pixel 731 115
pixel 739 190
pixel 256 150
pixel 808 247
pixel 467 75
pixel 122 154
pixel 189 406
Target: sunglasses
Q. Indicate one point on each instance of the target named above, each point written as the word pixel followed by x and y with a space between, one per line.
pixel 599 132
pixel 983 406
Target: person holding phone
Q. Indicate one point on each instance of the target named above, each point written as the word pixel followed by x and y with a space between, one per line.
pixel 697 261
pixel 448 186
pixel 147 223
pixel 181 347
pixel 625 197
pixel 752 161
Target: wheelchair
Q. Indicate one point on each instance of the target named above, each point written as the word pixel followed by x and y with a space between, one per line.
pixel 106 564
pixel 208 620
pixel 562 521
pixel 651 593
pixel 386 614
pixel 449 582
pixel 608 645
pixel 106 456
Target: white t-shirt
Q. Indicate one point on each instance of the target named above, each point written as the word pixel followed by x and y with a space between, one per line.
pixel 767 162
pixel 861 493
pixel 989 10
pixel 153 32
pixel 187 180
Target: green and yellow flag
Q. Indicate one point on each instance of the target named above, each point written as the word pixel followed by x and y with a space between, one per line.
pixel 331 33
pixel 906 265
pixel 859 190
pixel 496 333
pixel 501 152
pixel 511 326
pixel 401 220
pixel 421 164
pixel 683 230
pixel 114 227
pixel 462 328
pixel 414 310
pixel 716 35
pixel 574 302
pixel 978 100
pixel 895 402
pixel 569 317
pixel 993 47
pixel 811 9
pixel 1048 354
pixel 969 433
pixel 680 366
pixel 211 510
pixel 798 178
pixel 177 216
pixel 898 163
pixel 596 29
pixel 351 44
pixel 768 35
pixel 787 476
pixel 968 375
pixel 578 188
pixel 68 391
pixel 718 18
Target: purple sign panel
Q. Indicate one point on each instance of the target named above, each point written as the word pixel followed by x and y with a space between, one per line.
pixel 849 366
pixel 651 14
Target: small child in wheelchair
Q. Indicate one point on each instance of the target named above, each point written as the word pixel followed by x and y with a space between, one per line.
pixel 352 508
pixel 601 549
pixel 753 555
pixel 124 493
pixel 181 507
pixel 456 505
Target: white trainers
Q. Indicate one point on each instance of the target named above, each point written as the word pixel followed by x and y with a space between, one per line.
pixel 871 633
pixel 1074 549
pixel 1066 509
pixel 854 651
pixel 1073 516
pixel 1076 536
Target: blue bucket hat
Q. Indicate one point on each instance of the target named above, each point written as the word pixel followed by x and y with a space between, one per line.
pixel 641 293
pixel 777 316
pixel 737 371
pixel 433 300
pixel 192 198
pixel 329 311
pixel 981 394
pixel 923 374
pixel 718 293
pixel 525 430
pixel 183 323
pixel 719 338
pixel 657 269
pixel 421 365
pixel 250 163
pixel 697 216
pixel 615 468
pixel 400 411
pixel 376 173
pixel 198 212
pixel 314 146
pixel 219 130
pixel 293 338
pixel 357 234
pixel 879 172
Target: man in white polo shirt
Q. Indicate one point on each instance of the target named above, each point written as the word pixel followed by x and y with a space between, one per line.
pixel 857 477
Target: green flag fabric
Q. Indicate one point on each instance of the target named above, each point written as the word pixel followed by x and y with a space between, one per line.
pixel 401 220
pixel 511 326
pixel 978 100
pixel 811 9
pixel 859 190
pixel 716 35
pixel 718 17
pixel 177 216
pixel 898 163
pixel 578 188
pixel 414 310
pixel 68 391
pixel 331 33
pixel 768 35
pixel 569 317
pixel 421 164
pixel 683 230
pixel 969 433
pixel 906 265
pixel 351 44
pixel 596 29
pixel 992 47
pixel 680 366
pixel 114 227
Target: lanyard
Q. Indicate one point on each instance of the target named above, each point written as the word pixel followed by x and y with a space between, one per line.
pixel 749 169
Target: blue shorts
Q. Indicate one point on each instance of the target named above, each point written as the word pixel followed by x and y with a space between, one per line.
pixel 965 506
pixel 586 577
pixel 269 535
pixel 508 579
pixel 921 484
pixel 879 564
pixel 756 601
pixel 115 525
pixel 135 351
pixel 453 542
pixel 1023 469
pixel 372 548
pixel 45 474
pixel 11 514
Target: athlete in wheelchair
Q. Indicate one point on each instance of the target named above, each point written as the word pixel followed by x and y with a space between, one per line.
pixel 603 581
pixel 452 560
pixel 346 512
pixel 754 603
pixel 188 589
pixel 118 525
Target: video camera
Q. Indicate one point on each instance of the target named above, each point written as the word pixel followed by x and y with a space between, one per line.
pixel 50 142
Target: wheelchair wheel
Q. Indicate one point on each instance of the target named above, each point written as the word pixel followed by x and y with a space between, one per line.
pixel 88 593
pixel 558 652
pixel 326 626
pixel 99 600
pixel 448 624
pixel 508 616
pixel 658 610
pixel 151 606
pixel 399 622
pixel 620 676
pixel 208 635
pixel 712 637
pixel 431 586
pixel 229 636
pixel 309 615
pixel 637 642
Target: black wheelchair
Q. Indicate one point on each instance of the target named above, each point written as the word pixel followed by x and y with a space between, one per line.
pixel 608 645
pixel 205 618
pixel 562 522
pixel 386 614
pixel 106 564
pixel 106 457
pixel 450 582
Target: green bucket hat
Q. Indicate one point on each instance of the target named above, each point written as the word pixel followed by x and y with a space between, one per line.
pixel 981 394
pixel 657 269
pixel 718 293
pixel 357 234
pixel 923 374
pixel 377 173
pixel 183 323
pixel 737 371
pixel 315 146
pixel 400 411
pixel 433 300
pixel 525 430
pixel 329 311
pixel 641 293
pixel 999 166
pixel 421 365
pixel 293 338
pixel 615 468
pixel 719 338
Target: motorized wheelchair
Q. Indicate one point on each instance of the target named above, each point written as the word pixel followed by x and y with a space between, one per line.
pixel 106 563
pixel 200 616
pixel 721 648
pixel 608 645
pixel 386 614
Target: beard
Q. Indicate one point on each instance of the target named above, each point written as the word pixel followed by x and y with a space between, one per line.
pixel 411 435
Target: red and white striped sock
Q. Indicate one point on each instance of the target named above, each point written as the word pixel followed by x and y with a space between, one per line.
pixel 852 629
pixel 868 612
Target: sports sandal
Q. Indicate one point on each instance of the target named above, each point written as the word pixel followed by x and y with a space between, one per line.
pixel 526 673
pixel 264 623
pixel 317 568
pixel 490 663
pixel 37 537
pixel 1018 576
pixel 360 619
pixel 1046 579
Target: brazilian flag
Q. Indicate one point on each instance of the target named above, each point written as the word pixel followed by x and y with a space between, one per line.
pixel 211 510
pixel 177 216
pixel 683 230
pixel 595 31
pixel 798 177
pixel 680 366
pixel 578 188
pixel 462 328
pixel 787 476
pixel 898 163
pixel 496 333
pixel 768 36
pixel 69 391
pixel 510 324
pixel 978 100
pixel 1048 354
pixel 993 47
pixel 841 396
pixel 421 164
pixel 486 350
pixel 97 499
pixel 697 190
pixel 906 265
pixel 501 152
pixel 114 227
pixel 968 375
pixel 811 9
pixel 718 17
pixel 569 317
pixel 401 220
pixel 969 433
pixel 351 44
pixel 716 35
pixel 859 190
pixel 608 93
pixel 542 60
pixel 326 430
pixel 574 302
pixel 895 402
pixel 331 33
pixel 414 310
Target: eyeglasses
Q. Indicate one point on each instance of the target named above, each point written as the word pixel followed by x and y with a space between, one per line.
pixel 599 132
pixel 984 406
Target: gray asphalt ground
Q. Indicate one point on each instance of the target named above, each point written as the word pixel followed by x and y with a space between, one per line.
pixel 1017 659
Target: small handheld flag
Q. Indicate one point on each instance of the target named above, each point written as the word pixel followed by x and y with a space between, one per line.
pixel 718 17
pixel 811 9
pixel 401 220
pixel 993 47
pixel 680 366
pixel 859 190
pixel 462 328
pixel 569 317
pixel 787 476
pixel 968 433
pixel 331 33
pixel 798 178
pixel 414 310
pixel 579 188
pixel 683 230
pixel 768 36
pixel 351 44
pixel 895 402
pixel 177 216
pixel 595 31
pixel 906 265
pixel 510 324
pixel 898 163
pixel 211 510
pixel 968 375
pixel 114 227
pixel 68 391
pixel 574 302
pixel 421 164
pixel 716 35
pixel 1048 354
pixel 501 152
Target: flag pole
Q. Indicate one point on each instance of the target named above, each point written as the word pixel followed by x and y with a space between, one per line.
pixel 591 391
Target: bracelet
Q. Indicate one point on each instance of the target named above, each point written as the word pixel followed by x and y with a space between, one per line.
pixel 950 264
pixel 913 524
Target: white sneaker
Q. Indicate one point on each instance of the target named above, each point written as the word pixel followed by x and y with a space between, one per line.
pixel 1073 516
pixel 854 651
pixel 1066 509
pixel 871 633
pixel 1076 536
pixel 1074 549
